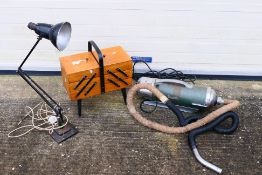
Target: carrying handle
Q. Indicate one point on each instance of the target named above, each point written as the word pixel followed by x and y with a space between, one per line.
pixel 100 61
pixel 92 44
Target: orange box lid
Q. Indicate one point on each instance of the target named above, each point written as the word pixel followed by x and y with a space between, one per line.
pixel 86 61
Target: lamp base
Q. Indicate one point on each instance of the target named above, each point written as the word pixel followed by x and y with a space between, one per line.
pixel 60 135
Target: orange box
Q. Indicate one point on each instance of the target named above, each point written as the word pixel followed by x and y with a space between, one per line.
pixel 95 72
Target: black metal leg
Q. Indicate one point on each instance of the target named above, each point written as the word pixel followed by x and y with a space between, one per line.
pixel 124 94
pixel 79 107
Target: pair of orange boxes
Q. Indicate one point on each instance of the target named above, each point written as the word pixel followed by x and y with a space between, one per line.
pixel 96 72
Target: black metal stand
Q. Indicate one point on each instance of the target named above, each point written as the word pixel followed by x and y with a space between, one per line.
pixel 124 94
pixel 79 107
pixel 100 61
pixel 57 135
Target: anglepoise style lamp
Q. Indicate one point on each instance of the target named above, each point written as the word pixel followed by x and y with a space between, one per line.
pixel 59 35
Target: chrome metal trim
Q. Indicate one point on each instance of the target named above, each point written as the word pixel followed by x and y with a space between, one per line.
pixel 206 163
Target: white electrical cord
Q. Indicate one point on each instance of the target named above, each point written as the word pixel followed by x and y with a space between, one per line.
pixel 40 112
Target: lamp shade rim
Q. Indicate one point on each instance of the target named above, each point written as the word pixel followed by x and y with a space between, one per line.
pixel 67 35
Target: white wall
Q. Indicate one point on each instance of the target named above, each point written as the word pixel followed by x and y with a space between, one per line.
pixel 197 36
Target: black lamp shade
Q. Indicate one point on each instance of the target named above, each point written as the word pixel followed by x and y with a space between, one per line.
pixel 58 34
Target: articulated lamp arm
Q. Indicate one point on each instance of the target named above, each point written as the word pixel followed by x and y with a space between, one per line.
pixel 49 101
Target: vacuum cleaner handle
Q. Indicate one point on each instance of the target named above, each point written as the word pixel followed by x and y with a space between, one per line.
pixel 214 125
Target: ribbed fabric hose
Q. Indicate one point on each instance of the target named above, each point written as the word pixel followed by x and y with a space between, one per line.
pixel 229 106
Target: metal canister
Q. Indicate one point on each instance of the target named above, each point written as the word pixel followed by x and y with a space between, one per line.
pixel 182 93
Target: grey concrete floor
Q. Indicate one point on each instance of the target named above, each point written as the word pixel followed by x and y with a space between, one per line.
pixel 110 141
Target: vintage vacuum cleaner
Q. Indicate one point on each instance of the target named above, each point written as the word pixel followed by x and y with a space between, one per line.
pixel 186 96
pixel 179 96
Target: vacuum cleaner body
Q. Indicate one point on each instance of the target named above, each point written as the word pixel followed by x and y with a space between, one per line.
pixel 187 97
